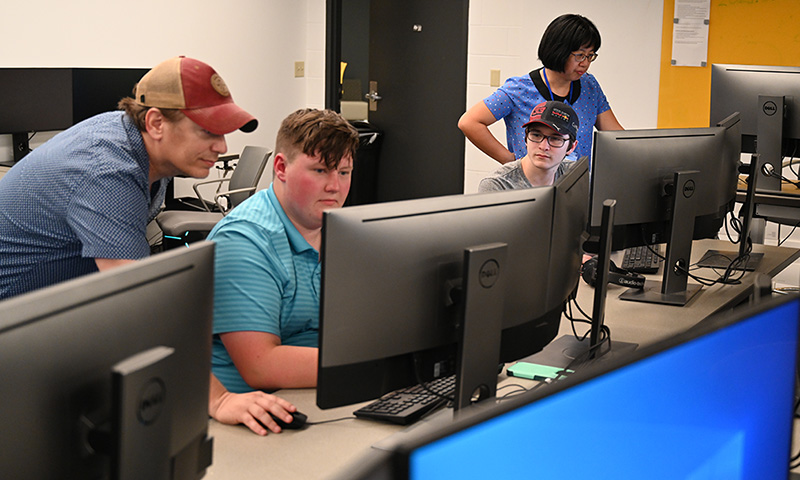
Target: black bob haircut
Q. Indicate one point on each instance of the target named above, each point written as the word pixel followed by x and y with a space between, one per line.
pixel 564 35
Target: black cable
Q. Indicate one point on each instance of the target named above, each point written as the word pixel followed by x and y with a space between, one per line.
pixel 573 320
pixel 735 225
pixel 568 310
pixel 781 242
pixel 519 390
pixel 605 337
pixel 727 278
pixel 791 161
pixel 424 385
pixel 321 422
pixel 647 244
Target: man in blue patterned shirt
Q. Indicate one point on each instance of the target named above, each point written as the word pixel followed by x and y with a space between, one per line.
pixel 81 202
pixel 267 271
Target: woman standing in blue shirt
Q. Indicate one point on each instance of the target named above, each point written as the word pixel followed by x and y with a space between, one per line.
pixel 567 49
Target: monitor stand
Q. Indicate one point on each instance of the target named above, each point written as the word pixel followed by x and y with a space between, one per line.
pixel 480 332
pixel 570 352
pixel 481 324
pixel 722 259
pixel 674 288
pixel 567 352
pixel 769 140
pixel 21 145
pixel 138 440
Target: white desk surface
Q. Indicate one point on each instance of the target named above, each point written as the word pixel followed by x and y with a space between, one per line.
pixel 314 452
pixel 322 451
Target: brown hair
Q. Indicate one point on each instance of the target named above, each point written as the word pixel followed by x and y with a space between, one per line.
pixel 317 132
pixel 136 111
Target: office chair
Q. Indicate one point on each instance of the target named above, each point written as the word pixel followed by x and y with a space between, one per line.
pixel 181 227
pixel 197 203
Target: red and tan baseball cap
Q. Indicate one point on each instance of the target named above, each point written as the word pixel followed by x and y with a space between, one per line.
pixel 194 88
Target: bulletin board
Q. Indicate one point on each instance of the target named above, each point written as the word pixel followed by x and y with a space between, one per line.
pixel 749 32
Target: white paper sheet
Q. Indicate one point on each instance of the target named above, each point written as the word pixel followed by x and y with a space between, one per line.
pixel 690 33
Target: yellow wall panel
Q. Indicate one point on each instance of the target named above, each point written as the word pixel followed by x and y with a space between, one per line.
pixel 749 32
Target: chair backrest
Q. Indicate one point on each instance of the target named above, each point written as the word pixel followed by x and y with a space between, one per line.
pixel 247 173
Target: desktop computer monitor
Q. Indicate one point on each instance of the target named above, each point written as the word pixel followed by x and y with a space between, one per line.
pixel 98 90
pixel 712 402
pixel 768 98
pixel 106 375
pixel 37 99
pixel 395 294
pixel 743 258
pixel 671 186
pixel 49 99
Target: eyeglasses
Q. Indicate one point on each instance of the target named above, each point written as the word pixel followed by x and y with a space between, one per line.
pixel 580 56
pixel 553 140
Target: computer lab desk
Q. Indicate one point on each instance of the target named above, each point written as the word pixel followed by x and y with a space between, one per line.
pixel 782 207
pixel 325 450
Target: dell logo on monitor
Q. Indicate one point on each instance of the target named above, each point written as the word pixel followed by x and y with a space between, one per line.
pixel 489 273
pixel 688 189
pixel 151 401
pixel 770 108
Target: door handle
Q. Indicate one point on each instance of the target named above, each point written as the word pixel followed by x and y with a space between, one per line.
pixel 373 96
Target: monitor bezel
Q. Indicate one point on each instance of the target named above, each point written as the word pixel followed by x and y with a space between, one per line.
pixel 400 455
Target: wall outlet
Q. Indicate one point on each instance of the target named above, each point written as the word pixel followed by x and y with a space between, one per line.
pixel 299 69
pixel 494 78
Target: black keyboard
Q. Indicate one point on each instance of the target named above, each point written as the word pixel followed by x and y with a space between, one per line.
pixel 641 259
pixel 407 405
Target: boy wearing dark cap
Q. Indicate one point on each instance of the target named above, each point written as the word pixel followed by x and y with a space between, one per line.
pixel 550 135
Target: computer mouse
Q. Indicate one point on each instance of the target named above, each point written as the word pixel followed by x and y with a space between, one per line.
pixel 298 421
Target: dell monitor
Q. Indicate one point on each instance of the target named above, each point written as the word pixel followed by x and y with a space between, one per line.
pixel 713 402
pixel 743 258
pixel 396 298
pixel 50 99
pixel 569 352
pixel 107 375
pixel 768 98
pixel 671 186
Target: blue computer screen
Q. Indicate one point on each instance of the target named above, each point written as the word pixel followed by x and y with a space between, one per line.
pixel 715 406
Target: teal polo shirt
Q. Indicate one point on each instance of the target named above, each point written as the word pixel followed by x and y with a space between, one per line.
pixel 266 279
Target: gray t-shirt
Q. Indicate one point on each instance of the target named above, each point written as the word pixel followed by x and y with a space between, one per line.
pixel 510 177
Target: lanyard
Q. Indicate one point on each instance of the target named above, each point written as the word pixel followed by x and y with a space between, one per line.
pixel 547 82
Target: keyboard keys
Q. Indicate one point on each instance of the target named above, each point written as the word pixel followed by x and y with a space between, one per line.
pixel 407 405
pixel 642 259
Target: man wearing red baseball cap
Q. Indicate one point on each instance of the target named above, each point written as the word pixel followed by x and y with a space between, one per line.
pixel 81 202
pixel 550 135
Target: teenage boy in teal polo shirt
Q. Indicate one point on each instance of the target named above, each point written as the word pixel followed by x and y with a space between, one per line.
pixel 267 274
